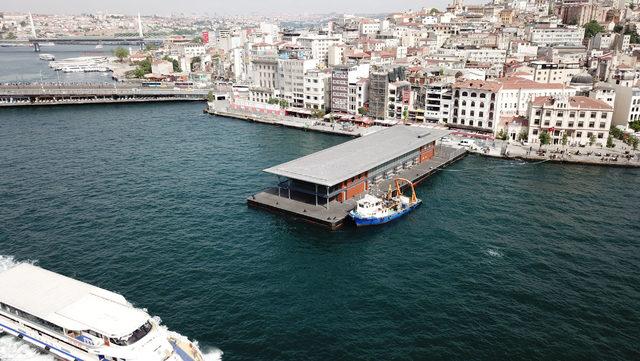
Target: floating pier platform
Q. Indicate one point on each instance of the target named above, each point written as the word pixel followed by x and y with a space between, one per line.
pixel 332 211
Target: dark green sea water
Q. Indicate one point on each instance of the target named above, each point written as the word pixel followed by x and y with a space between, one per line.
pixel 504 260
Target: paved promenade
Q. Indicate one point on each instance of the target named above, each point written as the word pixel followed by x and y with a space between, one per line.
pixel 310 124
pixel 621 155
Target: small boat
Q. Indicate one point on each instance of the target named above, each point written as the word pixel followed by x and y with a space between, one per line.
pixel 48 57
pixel 372 210
pixel 99 46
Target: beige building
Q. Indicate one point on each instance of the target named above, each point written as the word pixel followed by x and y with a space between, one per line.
pixel 561 73
pixel 578 117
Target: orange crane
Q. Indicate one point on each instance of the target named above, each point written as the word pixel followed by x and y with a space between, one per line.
pixel 397 181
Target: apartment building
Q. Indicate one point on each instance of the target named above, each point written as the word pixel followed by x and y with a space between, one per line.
pixel 438 102
pixel 578 117
pixel 265 72
pixel 478 105
pixel 344 87
pixel 291 79
pixel 319 45
pixel 399 99
pixel 317 90
pixel 545 72
pixel 549 35
pixel 627 105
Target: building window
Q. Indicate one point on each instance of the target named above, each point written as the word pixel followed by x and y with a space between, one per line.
pixel 603 115
pixel 572 114
pixel 603 125
pixel 593 114
pixel 592 124
pixel 580 124
pixel 582 114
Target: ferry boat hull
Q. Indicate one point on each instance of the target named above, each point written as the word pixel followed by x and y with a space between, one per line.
pixel 372 221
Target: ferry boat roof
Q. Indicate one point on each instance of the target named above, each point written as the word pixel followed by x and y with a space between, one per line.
pixel 68 303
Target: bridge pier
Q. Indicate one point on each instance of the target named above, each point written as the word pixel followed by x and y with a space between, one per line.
pixel 36 47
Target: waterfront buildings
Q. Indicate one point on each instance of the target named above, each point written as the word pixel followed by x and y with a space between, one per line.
pixel 571 120
pixel 478 105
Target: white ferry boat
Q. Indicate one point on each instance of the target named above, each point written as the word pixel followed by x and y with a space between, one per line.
pixel 75 321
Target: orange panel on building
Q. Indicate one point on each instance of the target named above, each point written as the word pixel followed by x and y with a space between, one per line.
pixel 352 191
pixel 427 152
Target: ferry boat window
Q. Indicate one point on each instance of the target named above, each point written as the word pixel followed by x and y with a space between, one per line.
pixel 31 318
pixel 134 337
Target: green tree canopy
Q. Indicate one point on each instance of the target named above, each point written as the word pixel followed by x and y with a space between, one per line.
pixel 592 28
pixel 121 53
pixel 545 138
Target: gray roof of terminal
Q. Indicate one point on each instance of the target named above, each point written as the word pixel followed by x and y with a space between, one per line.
pixel 333 165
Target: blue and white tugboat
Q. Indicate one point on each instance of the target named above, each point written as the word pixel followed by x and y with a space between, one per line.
pixel 372 210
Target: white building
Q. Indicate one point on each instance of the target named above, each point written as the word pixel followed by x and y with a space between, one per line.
pixel 627 105
pixel 579 117
pixel 544 72
pixel 291 79
pixel 479 105
pixel 548 35
pixel 319 45
pixel 317 90
pixel 438 103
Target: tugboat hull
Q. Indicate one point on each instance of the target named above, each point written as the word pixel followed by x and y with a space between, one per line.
pixel 372 221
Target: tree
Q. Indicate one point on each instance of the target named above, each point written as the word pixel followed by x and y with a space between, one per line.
pixel 23 23
pixel 502 135
pixel 405 115
pixel 362 111
pixel 592 139
pixel 318 113
pixel 592 28
pixel 273 101
pixel 197 40
pixel 618 28
pixel 633 36
pixel 143 68
pixel 210 96
pixel 150 47
pixel 545 138
pixel 121 53
pixel 635 125
pixel 633 141
pixel 283 103
pixel 195 62
pixel 616 132
pixel 433 11
pixel 565 138
pixel 176 64
pixel 610 143
pixel 523 136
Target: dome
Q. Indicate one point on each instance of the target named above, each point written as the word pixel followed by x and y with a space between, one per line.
pixel 583 78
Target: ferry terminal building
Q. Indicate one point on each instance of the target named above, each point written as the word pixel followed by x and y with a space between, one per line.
pixel 347 170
